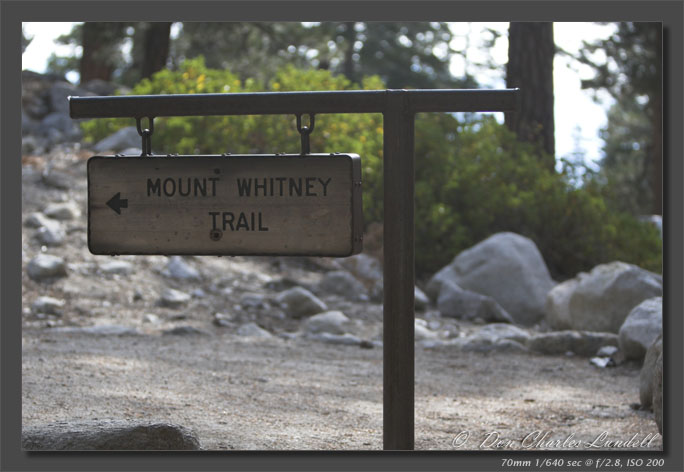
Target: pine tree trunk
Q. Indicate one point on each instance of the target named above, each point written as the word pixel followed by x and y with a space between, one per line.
pixel 98 41
pixel 157 37
pixel 530 68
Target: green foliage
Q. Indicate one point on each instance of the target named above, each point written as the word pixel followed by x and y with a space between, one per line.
pixel 476 179
pixel 473 178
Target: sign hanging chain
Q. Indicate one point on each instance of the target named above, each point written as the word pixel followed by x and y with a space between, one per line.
pixel 146 135
pixel 304 132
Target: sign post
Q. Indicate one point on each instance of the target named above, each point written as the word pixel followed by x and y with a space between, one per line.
pixel 399 108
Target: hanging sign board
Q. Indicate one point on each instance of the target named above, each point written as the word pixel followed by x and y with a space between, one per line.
pixel 283 204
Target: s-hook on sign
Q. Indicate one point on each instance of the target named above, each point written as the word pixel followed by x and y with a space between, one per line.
pixel 281 204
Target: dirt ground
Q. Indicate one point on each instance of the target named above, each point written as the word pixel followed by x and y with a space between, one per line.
pixel 284 392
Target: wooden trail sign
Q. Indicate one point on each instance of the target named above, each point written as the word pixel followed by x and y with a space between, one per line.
pixel 283 204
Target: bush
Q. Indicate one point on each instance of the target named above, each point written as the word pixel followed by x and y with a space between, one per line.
pixel 472 178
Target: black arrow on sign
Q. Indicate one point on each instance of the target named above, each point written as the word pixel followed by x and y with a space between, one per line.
pixel 116 203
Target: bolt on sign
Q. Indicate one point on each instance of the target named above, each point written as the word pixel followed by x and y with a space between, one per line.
pixel 282 204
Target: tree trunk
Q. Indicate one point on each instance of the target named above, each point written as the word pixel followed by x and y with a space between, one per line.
pixel 530 68
pixel 99 40
pixel 156 48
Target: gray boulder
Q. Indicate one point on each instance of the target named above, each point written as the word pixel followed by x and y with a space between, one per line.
pixel 299 302
pixel 108 435
pixel 454 302
pixel 507 267
pixel 334 322
pixel 604 297
pixel 122 139
pixel 421 300
pixel 63 125
pixel 582 343
pixel 446 274
pixel 340 282
pixel 558 304
pixel 641 328
pixel 368 270
pixel 647 373
pixel 45 266
pixel 59 93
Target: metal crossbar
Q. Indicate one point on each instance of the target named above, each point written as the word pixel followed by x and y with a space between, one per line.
pixel 398 108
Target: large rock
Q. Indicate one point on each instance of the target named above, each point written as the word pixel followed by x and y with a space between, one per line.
pixel 641 328
pixel 658 393
pixel 507 267
pixel 647 372
pixel 299 302
pixel 66 128
pixel 454 302
pixel 582 343
pixel 122 139
pixel 341 282
pixel 45 266
pixel 108 435
pixel 59 93
pixel 558 304
pixel 334 322
pixel 368 270
pixel 604 297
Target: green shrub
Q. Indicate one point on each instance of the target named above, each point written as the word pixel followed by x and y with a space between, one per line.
pixel 472 179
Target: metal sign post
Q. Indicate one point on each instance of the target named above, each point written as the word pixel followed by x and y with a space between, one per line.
pixel 399 108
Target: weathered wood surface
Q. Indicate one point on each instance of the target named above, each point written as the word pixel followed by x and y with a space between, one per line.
pixel 225 205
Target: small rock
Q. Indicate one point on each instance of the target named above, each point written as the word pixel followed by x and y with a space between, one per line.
pixel 178 268
pixel 340 282
pixel 601 362
pixel 108 435
pixel 299 302
pixel 45 266
pixel 150 318
pixel 184 331
pixel 607 351
pixel 57 179
pixel 422 332
pixel 497 332
pixel 173 298
pixel 35 220
pixel 52 234
pixel 223 320
pixel 117 267
pixel 252 300
pixel 253 330
pixel 63 211
pixel 48 306
pixel 346 338
pixel 583 343
pixel 329 322
pixel 641 327
pixel 198 293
